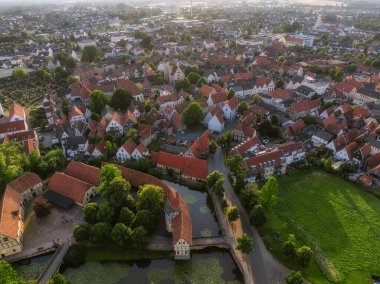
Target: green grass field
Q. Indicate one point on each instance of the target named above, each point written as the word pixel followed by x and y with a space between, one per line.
pixel 340 221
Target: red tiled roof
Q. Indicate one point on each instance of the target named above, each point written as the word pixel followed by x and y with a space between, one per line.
pixel 69 186
pixel 16 109
pixel 201 145
pixel 219 97
pixel 14 126
pixel 268 157
pixel 129 146
pixel 206 90
pixel 242 148
pixel 83 172
pixel 129 86
pixel 279 93
pixel 243 76
pixel 302 106
pixel 10 203
pixel 233 102
pixel 362 112
pixel 189 167
pixel 75 111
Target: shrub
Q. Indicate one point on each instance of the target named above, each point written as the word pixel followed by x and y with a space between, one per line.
pixel 75 256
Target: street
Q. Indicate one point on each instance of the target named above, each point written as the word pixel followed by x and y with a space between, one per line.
pixel 264 267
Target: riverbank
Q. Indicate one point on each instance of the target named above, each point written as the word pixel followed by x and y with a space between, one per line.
pixel 114 254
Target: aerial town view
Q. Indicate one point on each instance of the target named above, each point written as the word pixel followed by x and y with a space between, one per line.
pixel 189 141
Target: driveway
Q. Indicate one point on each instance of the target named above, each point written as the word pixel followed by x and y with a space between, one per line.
pixel 265 269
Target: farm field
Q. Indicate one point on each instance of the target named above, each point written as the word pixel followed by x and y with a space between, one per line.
pixel 340 221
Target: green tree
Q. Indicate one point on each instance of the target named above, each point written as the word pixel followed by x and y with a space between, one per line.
pixel 242 108
pixel 213 177
pixel 182 84
pixel 280 82
pixel 13 162
pixel 249 196
pixel 212 146
pixel 140 237
pixel 269 193
pixel 90 211
pixel 193 69
pixel 8 274
pixel 244 244
pixel 121 234
pixel 336 74
pixel 233 214
pixel 58 279
pixel 231 93
pixel 89 54
pixel 256 99
pixel 193 77
pixel 75 256
pixel 121 99
pixel 107 174
pixel 70 63
pixel 134 135
pixel 100 233
pixel 65 106
pixel 60 74
pixel 289 246
pixel 352 67
pixel 274 119
pixel 234 163
pixel 225 139
pixel 151 198
pixel 304 256
pixel 126 216
pixel 143 218
pixel 105 213
pixel 294 277
pixel 117 193
pixel 193 115
pixel 218 187
pixel 82 232
pixel 257 215
pixel 98 100
pixel 20 74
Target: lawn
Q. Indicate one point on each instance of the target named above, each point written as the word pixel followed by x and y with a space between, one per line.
pixel 340 221
pixel 109 254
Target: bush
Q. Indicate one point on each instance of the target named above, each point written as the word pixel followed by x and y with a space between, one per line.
pixel 294 277
pixel 304 256
pixel 257 215
pixel 75 256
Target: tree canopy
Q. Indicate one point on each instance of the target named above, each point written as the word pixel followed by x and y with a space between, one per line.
pixel 121 99
pixel 8 274
pixel 98 100
pixel 269 193
pixel 20 74
pixel 244 244
pixel 193 115
pixel 89 54
pixel 151 198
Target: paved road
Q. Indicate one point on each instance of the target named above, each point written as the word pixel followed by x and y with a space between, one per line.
pixel 265 269
pixel 53 264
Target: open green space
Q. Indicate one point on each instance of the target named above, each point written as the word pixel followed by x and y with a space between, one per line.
pixel 340 221
pixel 109 254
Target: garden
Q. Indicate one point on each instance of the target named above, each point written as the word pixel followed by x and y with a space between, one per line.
pixel 338 220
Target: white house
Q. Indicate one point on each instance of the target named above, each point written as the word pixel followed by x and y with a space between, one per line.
pixel 230 108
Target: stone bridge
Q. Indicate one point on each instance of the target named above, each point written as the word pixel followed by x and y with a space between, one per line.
pixel 204 242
